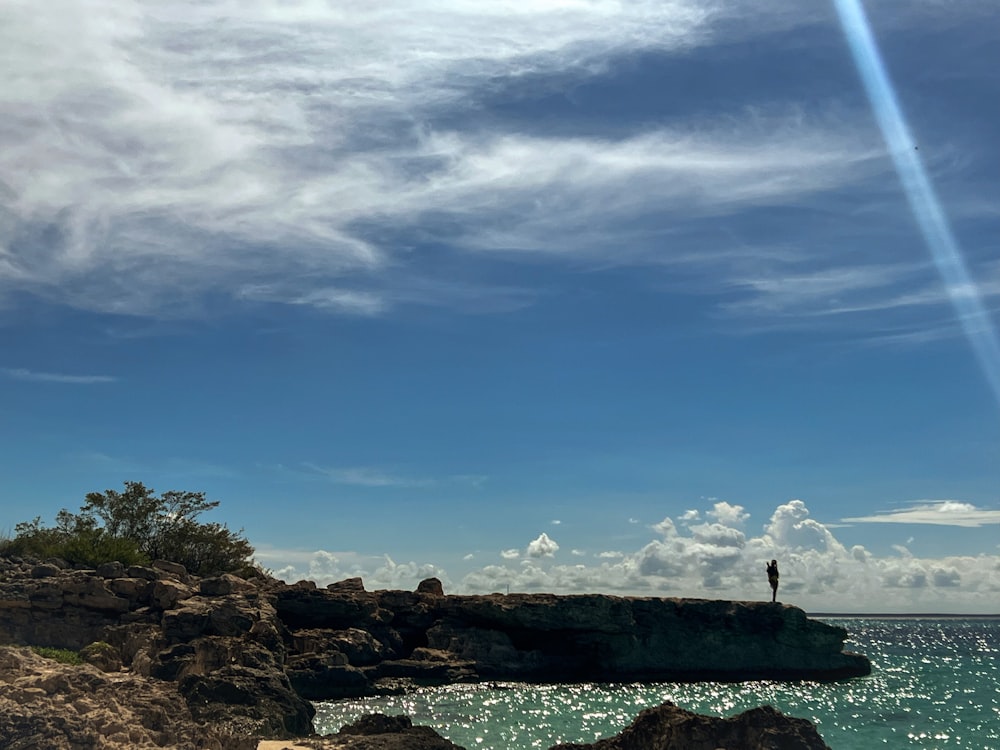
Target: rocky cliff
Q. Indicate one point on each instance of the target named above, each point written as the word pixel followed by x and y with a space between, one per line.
pixel 247 656
pixel 345 643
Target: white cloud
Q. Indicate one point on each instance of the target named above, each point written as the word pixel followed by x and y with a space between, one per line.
pixel 363 476
pixel 19 373
pixel 543 546
pixel 153 155
pixel 689 516
pixel 728 515
pixel 368 476
pixel 665 527
pixel 790 527
pixel 935 512
pixel 818 572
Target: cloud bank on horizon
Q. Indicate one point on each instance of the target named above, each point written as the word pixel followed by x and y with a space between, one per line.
pixel 714 558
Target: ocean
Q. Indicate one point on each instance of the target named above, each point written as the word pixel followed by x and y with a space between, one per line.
pixel 935 683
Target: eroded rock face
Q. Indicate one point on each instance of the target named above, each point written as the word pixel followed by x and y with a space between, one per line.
pixel 221 649
pixel 668 727
pixel 44 704
pixel 246 656
pixel 552 638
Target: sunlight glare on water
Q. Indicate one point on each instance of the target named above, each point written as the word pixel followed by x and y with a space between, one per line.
pixel 935 684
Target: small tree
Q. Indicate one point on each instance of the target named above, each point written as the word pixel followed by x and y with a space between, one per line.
pixel 137 526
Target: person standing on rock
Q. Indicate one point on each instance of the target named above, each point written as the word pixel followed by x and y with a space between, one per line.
pixel 772 578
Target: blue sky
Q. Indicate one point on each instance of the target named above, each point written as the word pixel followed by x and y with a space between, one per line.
pixel 575 295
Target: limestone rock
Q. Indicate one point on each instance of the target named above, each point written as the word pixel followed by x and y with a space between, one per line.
pixel 111 570
pixel 45 570
pixel 167 594
pixel 224 585
pixel 102 655
pixel 381 732
pixel 348 586
pixel 49 705
pixel 173 569
pixel 248 702
pixel 668 727
pixel 431 586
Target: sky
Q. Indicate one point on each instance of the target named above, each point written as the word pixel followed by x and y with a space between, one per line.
pixel 616 296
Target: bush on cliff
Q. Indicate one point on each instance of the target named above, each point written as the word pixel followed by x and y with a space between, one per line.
pixel 134 527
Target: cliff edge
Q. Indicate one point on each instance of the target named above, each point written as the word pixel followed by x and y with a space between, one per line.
pixel 246 657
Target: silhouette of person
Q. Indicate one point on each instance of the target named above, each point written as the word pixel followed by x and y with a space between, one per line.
pixel 772 578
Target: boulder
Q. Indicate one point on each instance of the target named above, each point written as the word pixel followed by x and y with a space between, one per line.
pixel 381 732
pixel 45 570
pixel 248 702
pixel 102 655
pixel 141 571
pixel 167 594
pixel 223 585
pixel 111 570
pixel 173 569
pixel 668 727
pixel 431 586
pixel 347 586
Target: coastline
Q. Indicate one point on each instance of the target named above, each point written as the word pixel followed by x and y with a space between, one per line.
pixel 246 657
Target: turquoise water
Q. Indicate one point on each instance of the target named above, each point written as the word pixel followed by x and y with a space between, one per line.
pixel 935 683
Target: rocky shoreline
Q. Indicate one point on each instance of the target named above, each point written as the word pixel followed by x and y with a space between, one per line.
pixel 243 659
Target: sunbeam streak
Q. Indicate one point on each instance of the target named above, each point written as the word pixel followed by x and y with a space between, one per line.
pixel 926 207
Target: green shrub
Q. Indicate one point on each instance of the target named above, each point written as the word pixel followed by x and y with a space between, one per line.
pixel 61 655
pixel 135 527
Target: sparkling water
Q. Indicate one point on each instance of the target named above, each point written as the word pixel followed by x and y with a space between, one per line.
pixel 935 683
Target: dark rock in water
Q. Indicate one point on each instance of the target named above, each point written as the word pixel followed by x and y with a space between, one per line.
pixel 381 732
pixel 668 727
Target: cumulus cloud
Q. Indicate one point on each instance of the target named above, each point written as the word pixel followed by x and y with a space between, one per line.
pixel 711 559
pixel 665 527
pixel 935 512
pixel 790 527
pixel 543 546
pixel 728 515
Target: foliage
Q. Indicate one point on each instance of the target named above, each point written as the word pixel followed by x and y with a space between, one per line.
pixel 61 655
pixel 134 527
